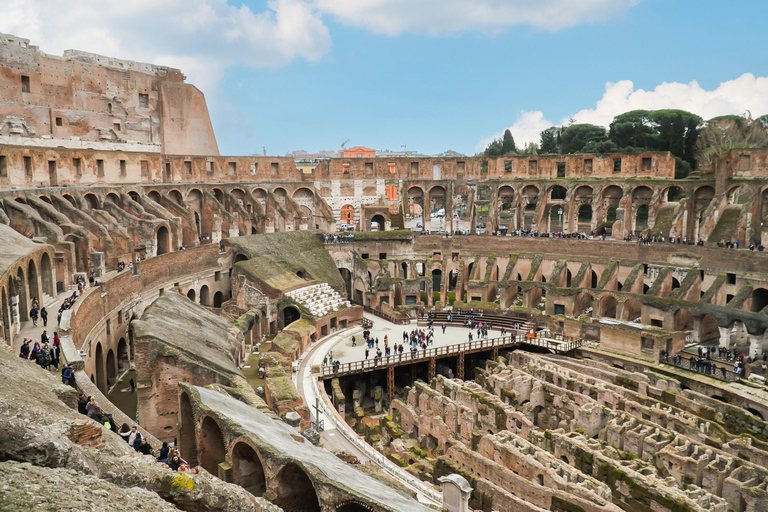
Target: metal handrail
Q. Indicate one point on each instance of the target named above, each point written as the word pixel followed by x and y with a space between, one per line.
pixel 544 339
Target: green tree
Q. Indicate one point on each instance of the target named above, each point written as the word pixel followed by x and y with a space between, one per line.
pixel 631 129
pixel 508 143
pixel 575 137
pixel 550 140
pixel 494 148
pixel 724 133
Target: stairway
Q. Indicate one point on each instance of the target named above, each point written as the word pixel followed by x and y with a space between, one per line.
pixel 48 301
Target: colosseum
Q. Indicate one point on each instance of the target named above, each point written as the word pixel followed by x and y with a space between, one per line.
pixel 384 334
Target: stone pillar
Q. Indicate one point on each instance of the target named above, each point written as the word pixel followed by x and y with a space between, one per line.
pixel 98 264
pixel 378 395
pixel 725 337
pixel 456 492
pixel 225 472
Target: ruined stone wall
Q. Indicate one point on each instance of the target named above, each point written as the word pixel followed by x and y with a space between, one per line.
pixel 82 100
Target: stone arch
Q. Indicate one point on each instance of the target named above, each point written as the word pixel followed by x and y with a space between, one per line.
pixel 437 196
pixel 557 193
pixel 415 195
pixel 123 360
pixel 581 303
pixel 247 469
pixel 641 217
pixel 683 320
pixel 33 283
pixel 453 279
pixel 404 268
pixel 294 489
pixel 101 381
pixel 593 282
pixel 218 194
pixel 280 195
pixel 155 195
pixel 437 280
pixel 739 194
pixel 46 199
pixel 191 294
pixel 187 445
pixel 6 317
pixel 46 275
pixel 530 197
pixel 759 299
pixel 584 215
pixel 111 367
pixel 347 215
pixel 218 299
pixel 205 296
pixel 163 239
pixel 91 201
pixel 290 315
pixel 21 283
pixel 112 197
pixel 212 448
pixel 71 200
pixel 303 193
pixel 710 329
pixel 379 222
pixel 673 194
pixel 608 306
pixel 240 257
pixel 134 196
pixel 632 309
pixel 583 194
pixel 176 197
pixel 557 217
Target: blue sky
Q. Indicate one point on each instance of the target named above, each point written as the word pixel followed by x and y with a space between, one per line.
pixel 432 74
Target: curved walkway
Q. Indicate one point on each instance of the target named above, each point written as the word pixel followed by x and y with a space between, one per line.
pixel 337 434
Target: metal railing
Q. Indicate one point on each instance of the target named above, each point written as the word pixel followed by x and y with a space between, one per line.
pixel 557 343
pixel 701 366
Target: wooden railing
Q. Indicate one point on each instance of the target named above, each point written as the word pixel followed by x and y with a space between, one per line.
pixel 541 339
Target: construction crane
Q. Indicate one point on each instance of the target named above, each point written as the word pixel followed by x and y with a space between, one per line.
pixel 344 143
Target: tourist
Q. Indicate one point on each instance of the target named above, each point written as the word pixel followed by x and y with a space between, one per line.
pixel 44 316
pixel 82 402
pixel 33 316
pixel 163 455
pixel 144 447
pixel 55 353
pixel 24 352
pixel 44 337
pixel 68 375
pixel 56 340
pixel 130 435
pixel 91 407
pixel 174 463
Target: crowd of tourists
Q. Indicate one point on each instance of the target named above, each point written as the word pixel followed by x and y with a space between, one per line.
pixel 168 456
pixel 707 358
pixel 338 239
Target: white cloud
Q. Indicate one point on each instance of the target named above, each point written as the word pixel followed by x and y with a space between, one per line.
pixel 206 35
pixel 393 17
pixel 745 93
pixel 526 129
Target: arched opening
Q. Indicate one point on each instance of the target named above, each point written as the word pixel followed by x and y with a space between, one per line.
pixel 755 412
pixel 240 257
pixel 175 196
pixel 593 281
pixel 453 278
pixel 608 306
pixel 211 446
pixel 759 299
pixel 218 298
pixel 610 216
pixel 70 199
pixel 191 294
pixel 219 195
pixel 112 198
pixel 585 213
pixel 437 280
pixel 538 416
pixel 683 320
pixel 582 304
pixel 347 215
pixel 568 278
pixel 186 437
pixel 154 195
pixel 111 368
pixel 290 315
pixel 295 492
pixel 163 240
pixel 134 196
pixel 33 283
pixel 101 381
pixel 632 310
pixel 205 298
pixel 91 201
pixel 641 218
pixel 416 208
pixel 557 216
pixel 46 275
pixel 123 361
pixel 21 284
pixel 557 193
pixel 378 223
pixel 247 470
pixel 6 317
pixel 404 267
pixel 674 194
pixel 710 329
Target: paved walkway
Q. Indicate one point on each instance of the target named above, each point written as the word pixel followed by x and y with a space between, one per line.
pixel 344 352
